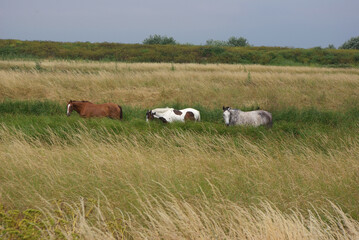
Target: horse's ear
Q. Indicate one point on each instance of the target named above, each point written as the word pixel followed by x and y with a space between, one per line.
pixel 224 108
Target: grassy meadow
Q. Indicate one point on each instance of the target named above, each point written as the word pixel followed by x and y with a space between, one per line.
pixel 72 178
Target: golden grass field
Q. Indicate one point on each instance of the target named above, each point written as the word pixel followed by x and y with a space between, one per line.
pixel 170 183
pixel 149 84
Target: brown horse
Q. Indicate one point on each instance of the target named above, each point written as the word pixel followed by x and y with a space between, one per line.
pixel 87 109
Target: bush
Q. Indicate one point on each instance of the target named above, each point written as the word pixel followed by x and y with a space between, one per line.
pixel 160 40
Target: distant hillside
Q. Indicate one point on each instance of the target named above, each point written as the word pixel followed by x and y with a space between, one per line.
pixel 178 53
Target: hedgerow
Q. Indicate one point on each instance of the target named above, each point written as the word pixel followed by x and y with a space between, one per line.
pixel 177 53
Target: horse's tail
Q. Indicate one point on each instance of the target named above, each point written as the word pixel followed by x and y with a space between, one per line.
pixel 270 122
pixel 121 116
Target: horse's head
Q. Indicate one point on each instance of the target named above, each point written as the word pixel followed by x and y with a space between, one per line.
pixel 226 115
pixel 70 107
pixel 150 115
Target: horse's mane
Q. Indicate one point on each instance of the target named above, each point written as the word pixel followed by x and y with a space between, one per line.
pixel 81 101
pixel 161 110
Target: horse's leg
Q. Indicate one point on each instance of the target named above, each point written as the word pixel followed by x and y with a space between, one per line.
pixel 115 114
pixel 83 114
pixel 163 119
pixel 269 124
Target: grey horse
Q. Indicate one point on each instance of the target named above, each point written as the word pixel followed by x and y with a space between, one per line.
pixel 253 118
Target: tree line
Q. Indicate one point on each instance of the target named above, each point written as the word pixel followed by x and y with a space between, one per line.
pixel 352 43
pixel 164 40
pixel 176 53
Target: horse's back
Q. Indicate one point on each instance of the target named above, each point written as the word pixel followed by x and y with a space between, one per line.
pixel 261 117
pixel 190 109
pixel 252 118
pixel 111 110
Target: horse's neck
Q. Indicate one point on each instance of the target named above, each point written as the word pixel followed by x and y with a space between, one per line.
pixel 162 114
pixel 235 115
pixel 236 112
pixel 79 106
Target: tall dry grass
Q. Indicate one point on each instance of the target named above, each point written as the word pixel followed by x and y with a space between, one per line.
pixel 170 217
pixel 175 218
pixel 149 84
pixel 177 185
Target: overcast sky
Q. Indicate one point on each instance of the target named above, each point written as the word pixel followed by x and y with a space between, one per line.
pixel 292 23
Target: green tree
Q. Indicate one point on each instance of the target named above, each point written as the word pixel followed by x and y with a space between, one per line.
pixel 216 43
pixel 232 42
pixel 160 40
pixel 352 43
pixel 237 42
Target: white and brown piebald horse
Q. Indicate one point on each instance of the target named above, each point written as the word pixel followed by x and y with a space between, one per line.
pixel 252 118
pixel 172 115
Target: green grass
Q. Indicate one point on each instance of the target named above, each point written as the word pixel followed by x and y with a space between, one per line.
pixel 43 118
pixel 32 107
pixel 312 115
